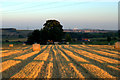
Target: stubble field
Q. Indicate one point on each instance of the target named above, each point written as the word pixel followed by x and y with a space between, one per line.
pixel 61 61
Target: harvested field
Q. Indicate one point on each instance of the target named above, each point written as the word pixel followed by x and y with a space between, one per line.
pixel 61 61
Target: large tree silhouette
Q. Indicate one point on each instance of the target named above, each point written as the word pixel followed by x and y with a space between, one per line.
pixel 52 30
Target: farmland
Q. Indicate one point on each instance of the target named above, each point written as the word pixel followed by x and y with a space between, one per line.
pixel 61 61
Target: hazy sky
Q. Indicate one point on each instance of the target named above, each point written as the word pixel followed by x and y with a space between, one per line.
pixel 72 14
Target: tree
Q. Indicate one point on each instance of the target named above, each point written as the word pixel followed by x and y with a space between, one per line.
pixel 68 38
pixel 114 38
pixel 54 30
pixel 34 37
pixel 108 39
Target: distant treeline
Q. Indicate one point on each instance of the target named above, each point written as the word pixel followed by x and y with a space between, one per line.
pixel 79 36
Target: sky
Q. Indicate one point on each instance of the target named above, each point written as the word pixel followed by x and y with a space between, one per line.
pixel 87 14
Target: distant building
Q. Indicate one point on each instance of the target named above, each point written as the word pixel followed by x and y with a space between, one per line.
pixel 86 30
pixel 85 39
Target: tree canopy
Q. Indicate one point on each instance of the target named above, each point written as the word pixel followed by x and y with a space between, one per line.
pixel 52 30
pixel 67 37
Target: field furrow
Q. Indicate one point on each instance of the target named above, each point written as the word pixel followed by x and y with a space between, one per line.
pixel 56 64
pixel 10 53
pixel 61 61
pixel 96 71
pixel 29 71
pixel 63 68
pixel 77 58
pixel 95 56
pixel 15 48
pixel 80 71
pixel 103 46
pixel 15 52
pixel 111 51
pixel 23 57
pixel 44 55
pixel 71 65
pixel 12 56
pixel 101 62
pixel 4 51
pixel 44 73
pixel 105 53
pixel 7 64
pixel 18 67
pixel 33 69
pixel 113 67
pixel 102 52
pixel 49 69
